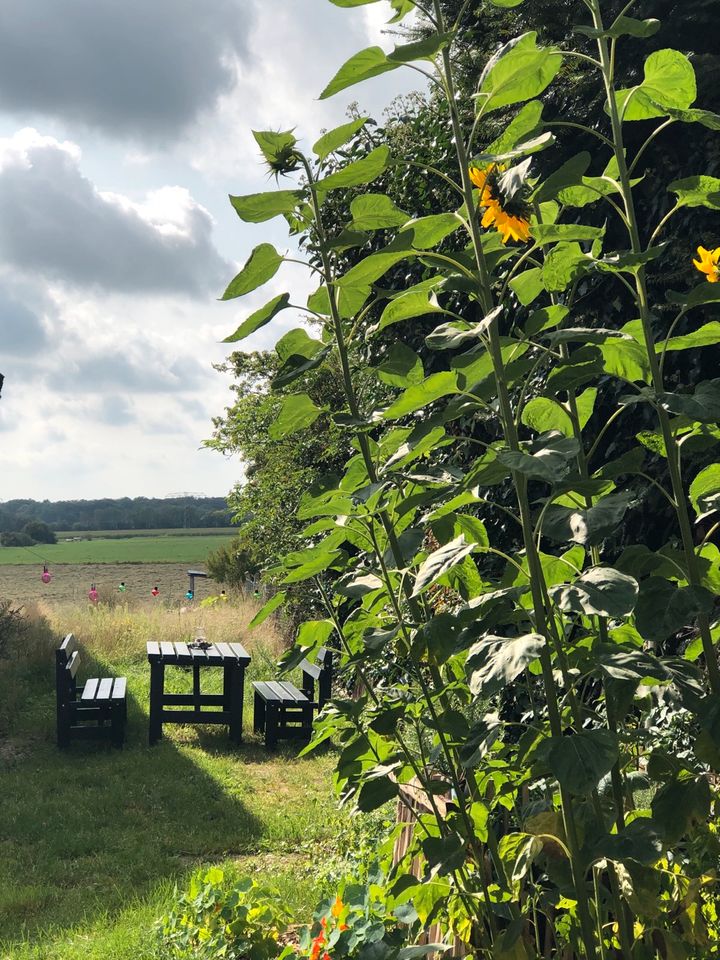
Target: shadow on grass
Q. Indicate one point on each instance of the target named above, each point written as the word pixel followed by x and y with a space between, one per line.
pixel 84 831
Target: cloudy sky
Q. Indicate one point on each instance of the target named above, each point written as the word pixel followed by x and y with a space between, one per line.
pixel 124 124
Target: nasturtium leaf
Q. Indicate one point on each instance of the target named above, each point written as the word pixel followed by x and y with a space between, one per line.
pixel 704 336
pixel 270 607
pixel 519 71
pixel 417 396
pixel 700 191
pixel 579 761
pixel 527 286
pixel 663 607
pixel 258 207
pixel 599 591
pixel 376 211
pixel 542 414
pixel 401 367
pixel 337 137
pixel 439 562
pixel 669 81
pixel 493 662
pixel 261 266
pixel 296 413
pixel 590 526
pixel 705 491
pixel 259 318
pixel 358 172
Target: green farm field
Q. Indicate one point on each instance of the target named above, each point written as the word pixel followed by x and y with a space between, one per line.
pixel 190 548
pixel 124 534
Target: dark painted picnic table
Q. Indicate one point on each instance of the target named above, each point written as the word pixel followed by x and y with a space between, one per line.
pixel 232 657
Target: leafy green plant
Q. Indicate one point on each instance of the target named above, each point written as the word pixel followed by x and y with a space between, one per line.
pixel 216 919
pixel 518 678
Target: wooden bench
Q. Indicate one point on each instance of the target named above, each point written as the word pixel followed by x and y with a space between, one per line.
pixel 284 712
pixel 95 711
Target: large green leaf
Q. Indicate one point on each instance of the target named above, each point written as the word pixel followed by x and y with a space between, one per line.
pixel 296 413
pixel 359 171
pixel 376 211
pixel 701 191
pixel 270 607
pixel 626 359
pixel 570 174
pixel 663 607
pixel 548 458
pixel 437 385
pixel 258 207
pixel 564 264
pixel 439 562
pixel 330 141
pixel 669 82
pixel 702 405
pixel 579 761
pixel 589 526
pixel 600 591
pixel 542 414
pixel 259 318
pixel 426 232
pixel 680 803
pixel 262 265
pixel 415 302
pixel 527 286
pixel 705 490
pixel 705 336
pixel 373 61
pixel 401 367
pixel 519 71
pixel 493 662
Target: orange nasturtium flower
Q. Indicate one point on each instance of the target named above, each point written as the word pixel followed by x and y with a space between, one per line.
pixel 337 907
pixel 709 263
pixel 508 213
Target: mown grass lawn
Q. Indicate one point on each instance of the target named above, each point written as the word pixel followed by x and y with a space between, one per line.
pixel 92 840
pixel 155 549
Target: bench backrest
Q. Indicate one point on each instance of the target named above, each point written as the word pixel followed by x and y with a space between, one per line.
pixel 67 662
pixel 320 671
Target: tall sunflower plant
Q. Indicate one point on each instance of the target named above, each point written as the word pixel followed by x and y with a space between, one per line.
pixel 517 686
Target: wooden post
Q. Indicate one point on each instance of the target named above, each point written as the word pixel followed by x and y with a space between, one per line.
pixel 157 683
pixel 237 689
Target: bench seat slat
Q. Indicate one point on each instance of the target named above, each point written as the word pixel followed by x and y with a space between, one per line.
pixel 89 689
pixel 119 689
pixel 167 649
pixel 104 689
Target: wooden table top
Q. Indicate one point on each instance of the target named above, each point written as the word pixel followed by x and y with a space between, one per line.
pixel 216 655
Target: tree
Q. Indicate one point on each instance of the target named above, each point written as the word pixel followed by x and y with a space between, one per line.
pixel 40 532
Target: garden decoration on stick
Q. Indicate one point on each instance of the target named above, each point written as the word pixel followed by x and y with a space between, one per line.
pixel 522 676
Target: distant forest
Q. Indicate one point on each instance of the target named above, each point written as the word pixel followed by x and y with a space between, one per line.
pixel 137 513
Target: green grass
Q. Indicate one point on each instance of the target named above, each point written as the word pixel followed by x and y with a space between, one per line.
pixel 93 839
pixel 165 532
pixel 157 549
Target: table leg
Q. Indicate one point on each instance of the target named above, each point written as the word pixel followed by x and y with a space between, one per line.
pixel 235 679
pixel 157 685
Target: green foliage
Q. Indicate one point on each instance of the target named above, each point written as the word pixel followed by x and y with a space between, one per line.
pixel 505 652
pixel 213 919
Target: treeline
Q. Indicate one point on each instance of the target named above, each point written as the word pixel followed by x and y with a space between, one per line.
pixel 136 513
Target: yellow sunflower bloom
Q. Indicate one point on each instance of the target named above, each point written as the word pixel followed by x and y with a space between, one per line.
pixel 510 215
pixel 709 263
